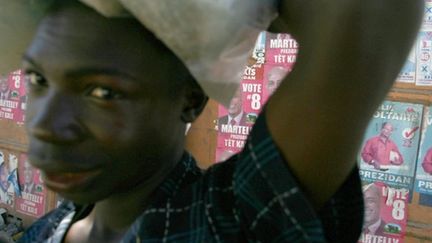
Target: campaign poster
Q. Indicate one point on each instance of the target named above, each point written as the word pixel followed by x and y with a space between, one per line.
pixel 424 59
pixel 385 216
pixel 9 186
pixel 389 149
pixel 427 17
pixel 235 122
pixel 408 72
pixel 13 97
pixel 281 50
pixel 33 194
pixel 423 178
pixel 425 200
pixel 281 55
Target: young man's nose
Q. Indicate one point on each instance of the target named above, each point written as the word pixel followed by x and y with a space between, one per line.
pixel 56 119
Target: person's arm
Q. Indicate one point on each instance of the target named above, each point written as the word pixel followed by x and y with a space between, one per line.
pixel 350 53
pixel 400 158
pixel 366 153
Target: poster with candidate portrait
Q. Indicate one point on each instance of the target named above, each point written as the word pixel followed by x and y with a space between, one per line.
pixel 31 200
pixel 423 178
pixel 13 97
pixel 281 55
pixel 424 59
pixel 427 17
pixel 389 149
pixel 385 216
pixel 9 187
pixel 235 122
pixel 273 58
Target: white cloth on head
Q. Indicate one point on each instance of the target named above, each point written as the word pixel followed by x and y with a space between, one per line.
pixel 213 38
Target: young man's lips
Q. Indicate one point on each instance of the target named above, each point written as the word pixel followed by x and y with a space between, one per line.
pixel 66 181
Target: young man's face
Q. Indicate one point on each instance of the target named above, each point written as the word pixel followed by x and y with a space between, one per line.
pixel 101 118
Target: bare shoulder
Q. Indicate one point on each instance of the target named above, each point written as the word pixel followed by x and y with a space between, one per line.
pixel 350 53
pixel 78 232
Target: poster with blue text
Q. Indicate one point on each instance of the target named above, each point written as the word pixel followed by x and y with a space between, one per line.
pixel 423 182
pixel 424 59
pixel 389 150
pixel 427 17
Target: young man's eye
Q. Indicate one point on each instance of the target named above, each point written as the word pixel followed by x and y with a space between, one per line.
pixel 35 79
pixel 105 93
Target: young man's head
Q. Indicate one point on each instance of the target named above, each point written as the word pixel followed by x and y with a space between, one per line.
pixel 108 104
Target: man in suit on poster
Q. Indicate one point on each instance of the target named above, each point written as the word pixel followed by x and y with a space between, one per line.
pixel 29 185
pixel 236 114
pixel 373 224
pixel 4 89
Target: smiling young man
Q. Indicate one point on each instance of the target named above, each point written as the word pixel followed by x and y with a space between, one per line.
pixel 108 106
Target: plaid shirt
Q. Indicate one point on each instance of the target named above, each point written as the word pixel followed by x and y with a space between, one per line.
pixel 252 197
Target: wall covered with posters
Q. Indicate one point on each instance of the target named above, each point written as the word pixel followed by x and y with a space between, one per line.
pixel 273 57
pixel 21 190
pixel 395 159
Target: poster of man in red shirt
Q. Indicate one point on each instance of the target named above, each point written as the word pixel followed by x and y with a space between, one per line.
pixel 380 151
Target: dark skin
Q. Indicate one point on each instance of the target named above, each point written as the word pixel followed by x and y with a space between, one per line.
pixel 350 54
pixel 119 125
pixel 103 111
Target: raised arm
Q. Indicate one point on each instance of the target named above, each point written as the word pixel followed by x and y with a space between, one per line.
pixel 350 53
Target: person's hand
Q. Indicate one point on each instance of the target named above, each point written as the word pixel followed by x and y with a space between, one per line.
pixel 376 165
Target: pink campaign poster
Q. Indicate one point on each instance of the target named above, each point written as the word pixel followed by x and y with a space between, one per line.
pixel 33 193
pixel 385 213
pixel 272 59
pixel 235 123
pixel 281 54
pixel 13 97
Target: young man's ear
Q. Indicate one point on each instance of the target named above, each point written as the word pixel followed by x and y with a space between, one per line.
pixel 195 102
